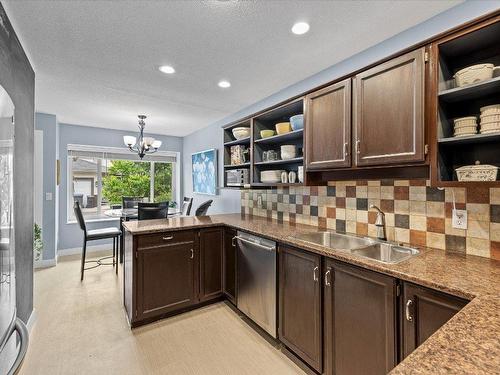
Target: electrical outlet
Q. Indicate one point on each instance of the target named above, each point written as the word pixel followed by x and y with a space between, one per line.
pixel 259 201
pixel 459 219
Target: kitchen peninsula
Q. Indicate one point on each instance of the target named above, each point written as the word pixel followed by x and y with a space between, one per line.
pixel 178 264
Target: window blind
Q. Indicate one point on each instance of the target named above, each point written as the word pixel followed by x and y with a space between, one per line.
pixel 111 153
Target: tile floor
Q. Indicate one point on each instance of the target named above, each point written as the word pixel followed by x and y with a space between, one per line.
pixel 81 329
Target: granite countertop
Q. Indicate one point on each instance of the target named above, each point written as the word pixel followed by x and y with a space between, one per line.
pixel 468 343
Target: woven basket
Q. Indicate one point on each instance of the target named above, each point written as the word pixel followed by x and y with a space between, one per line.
pixel 477 172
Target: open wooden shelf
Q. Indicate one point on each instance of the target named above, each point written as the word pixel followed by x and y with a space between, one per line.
pixel 234 166
pixel 476 138
pixel 280 138
pixel 471 92
pixel 277 162
pixel 453 53
pixel 277 184
pixel 242 141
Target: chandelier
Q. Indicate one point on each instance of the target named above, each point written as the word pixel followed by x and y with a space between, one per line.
pixel 143 145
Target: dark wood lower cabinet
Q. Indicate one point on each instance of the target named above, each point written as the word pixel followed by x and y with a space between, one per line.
pixel 335 317
pixel 359 321
pixel 211 243
pixel 229 265
pixel 166 276
pixel 424 311
pixel 300 325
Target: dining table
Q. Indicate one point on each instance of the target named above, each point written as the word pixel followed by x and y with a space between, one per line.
pixel 126 214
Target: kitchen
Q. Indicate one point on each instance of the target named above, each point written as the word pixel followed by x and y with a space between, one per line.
pixel 312 260
pixel 345 201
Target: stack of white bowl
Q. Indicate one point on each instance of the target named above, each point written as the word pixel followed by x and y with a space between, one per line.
pixel 490 119
pixel 465 126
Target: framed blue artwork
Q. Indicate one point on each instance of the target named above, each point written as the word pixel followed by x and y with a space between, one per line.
pixel 204 171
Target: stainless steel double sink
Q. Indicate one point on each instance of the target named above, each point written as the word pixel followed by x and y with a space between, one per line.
pixel 380 251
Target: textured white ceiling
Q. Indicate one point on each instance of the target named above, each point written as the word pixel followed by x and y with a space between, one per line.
pixel 96 61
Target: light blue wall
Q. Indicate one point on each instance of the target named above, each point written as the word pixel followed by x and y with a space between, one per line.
pixel 56 137
pixel 207 138
pixel 211 136
pixel 70 235
pixel 48 124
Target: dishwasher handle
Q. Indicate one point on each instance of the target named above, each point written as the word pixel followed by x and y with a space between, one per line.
pixel 268 248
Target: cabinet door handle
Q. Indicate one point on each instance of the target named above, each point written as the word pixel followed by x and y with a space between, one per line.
pixel 233 241
pixel 346 149
pixel 168 238
pixel 327 282
pixel 315 273
pixel 358 142
pixel 407 310
pixel 192 254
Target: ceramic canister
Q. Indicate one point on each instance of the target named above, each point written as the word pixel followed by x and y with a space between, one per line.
pixel 284 177
pixel 300 174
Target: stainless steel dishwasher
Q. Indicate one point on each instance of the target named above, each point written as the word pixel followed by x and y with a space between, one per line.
pixel 257 283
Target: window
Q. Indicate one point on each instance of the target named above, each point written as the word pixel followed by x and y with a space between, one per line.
pixel 99 178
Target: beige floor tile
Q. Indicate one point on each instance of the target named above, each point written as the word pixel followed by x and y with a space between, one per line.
pixel 81 328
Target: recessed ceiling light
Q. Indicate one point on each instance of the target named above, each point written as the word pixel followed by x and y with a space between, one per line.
pixel 224 84
pixel 300 28
pixel 166 69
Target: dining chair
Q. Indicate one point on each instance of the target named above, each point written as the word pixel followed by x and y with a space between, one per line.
pixel 93 235
pixel 187 203
pixel 203 208
pixel 131 202
pixel 149 211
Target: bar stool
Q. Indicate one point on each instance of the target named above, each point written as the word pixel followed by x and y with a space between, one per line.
pixel 93 235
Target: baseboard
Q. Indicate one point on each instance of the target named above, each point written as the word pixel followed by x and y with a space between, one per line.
pixel 90 249
pixel 31 321
pixel 45 263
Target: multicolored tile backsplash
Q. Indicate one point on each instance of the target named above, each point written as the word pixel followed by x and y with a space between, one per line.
pixel 415 213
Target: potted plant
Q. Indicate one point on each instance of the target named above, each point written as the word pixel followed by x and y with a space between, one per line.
pixel 37 242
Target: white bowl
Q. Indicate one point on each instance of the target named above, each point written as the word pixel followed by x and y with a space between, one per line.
pixel 241 132
pixel 288 152
pixel 473 74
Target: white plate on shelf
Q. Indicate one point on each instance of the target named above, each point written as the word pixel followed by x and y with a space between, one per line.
pixel 271 177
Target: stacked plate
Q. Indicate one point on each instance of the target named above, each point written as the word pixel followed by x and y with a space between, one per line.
pixel 490 119
pixel 465 126
pixel 270 177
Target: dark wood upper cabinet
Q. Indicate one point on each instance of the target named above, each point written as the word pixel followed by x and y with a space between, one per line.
pixel 389 112
pixel 424 311
pixel 229 265
pixel 300 327
pixel 328 130
pixel 211 243
pixel 359 320
pixel 166 277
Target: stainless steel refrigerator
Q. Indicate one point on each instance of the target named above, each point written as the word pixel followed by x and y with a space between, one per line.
pixel 13 332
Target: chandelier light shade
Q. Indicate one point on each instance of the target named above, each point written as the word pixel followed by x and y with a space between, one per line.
pixel 142 145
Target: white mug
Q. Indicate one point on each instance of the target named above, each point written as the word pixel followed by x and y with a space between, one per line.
pixel 292 177
pixel 284 177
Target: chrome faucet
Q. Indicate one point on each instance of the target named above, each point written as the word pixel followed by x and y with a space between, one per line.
pixel 380 223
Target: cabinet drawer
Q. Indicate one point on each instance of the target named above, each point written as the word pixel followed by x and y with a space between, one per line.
pixel 165 239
